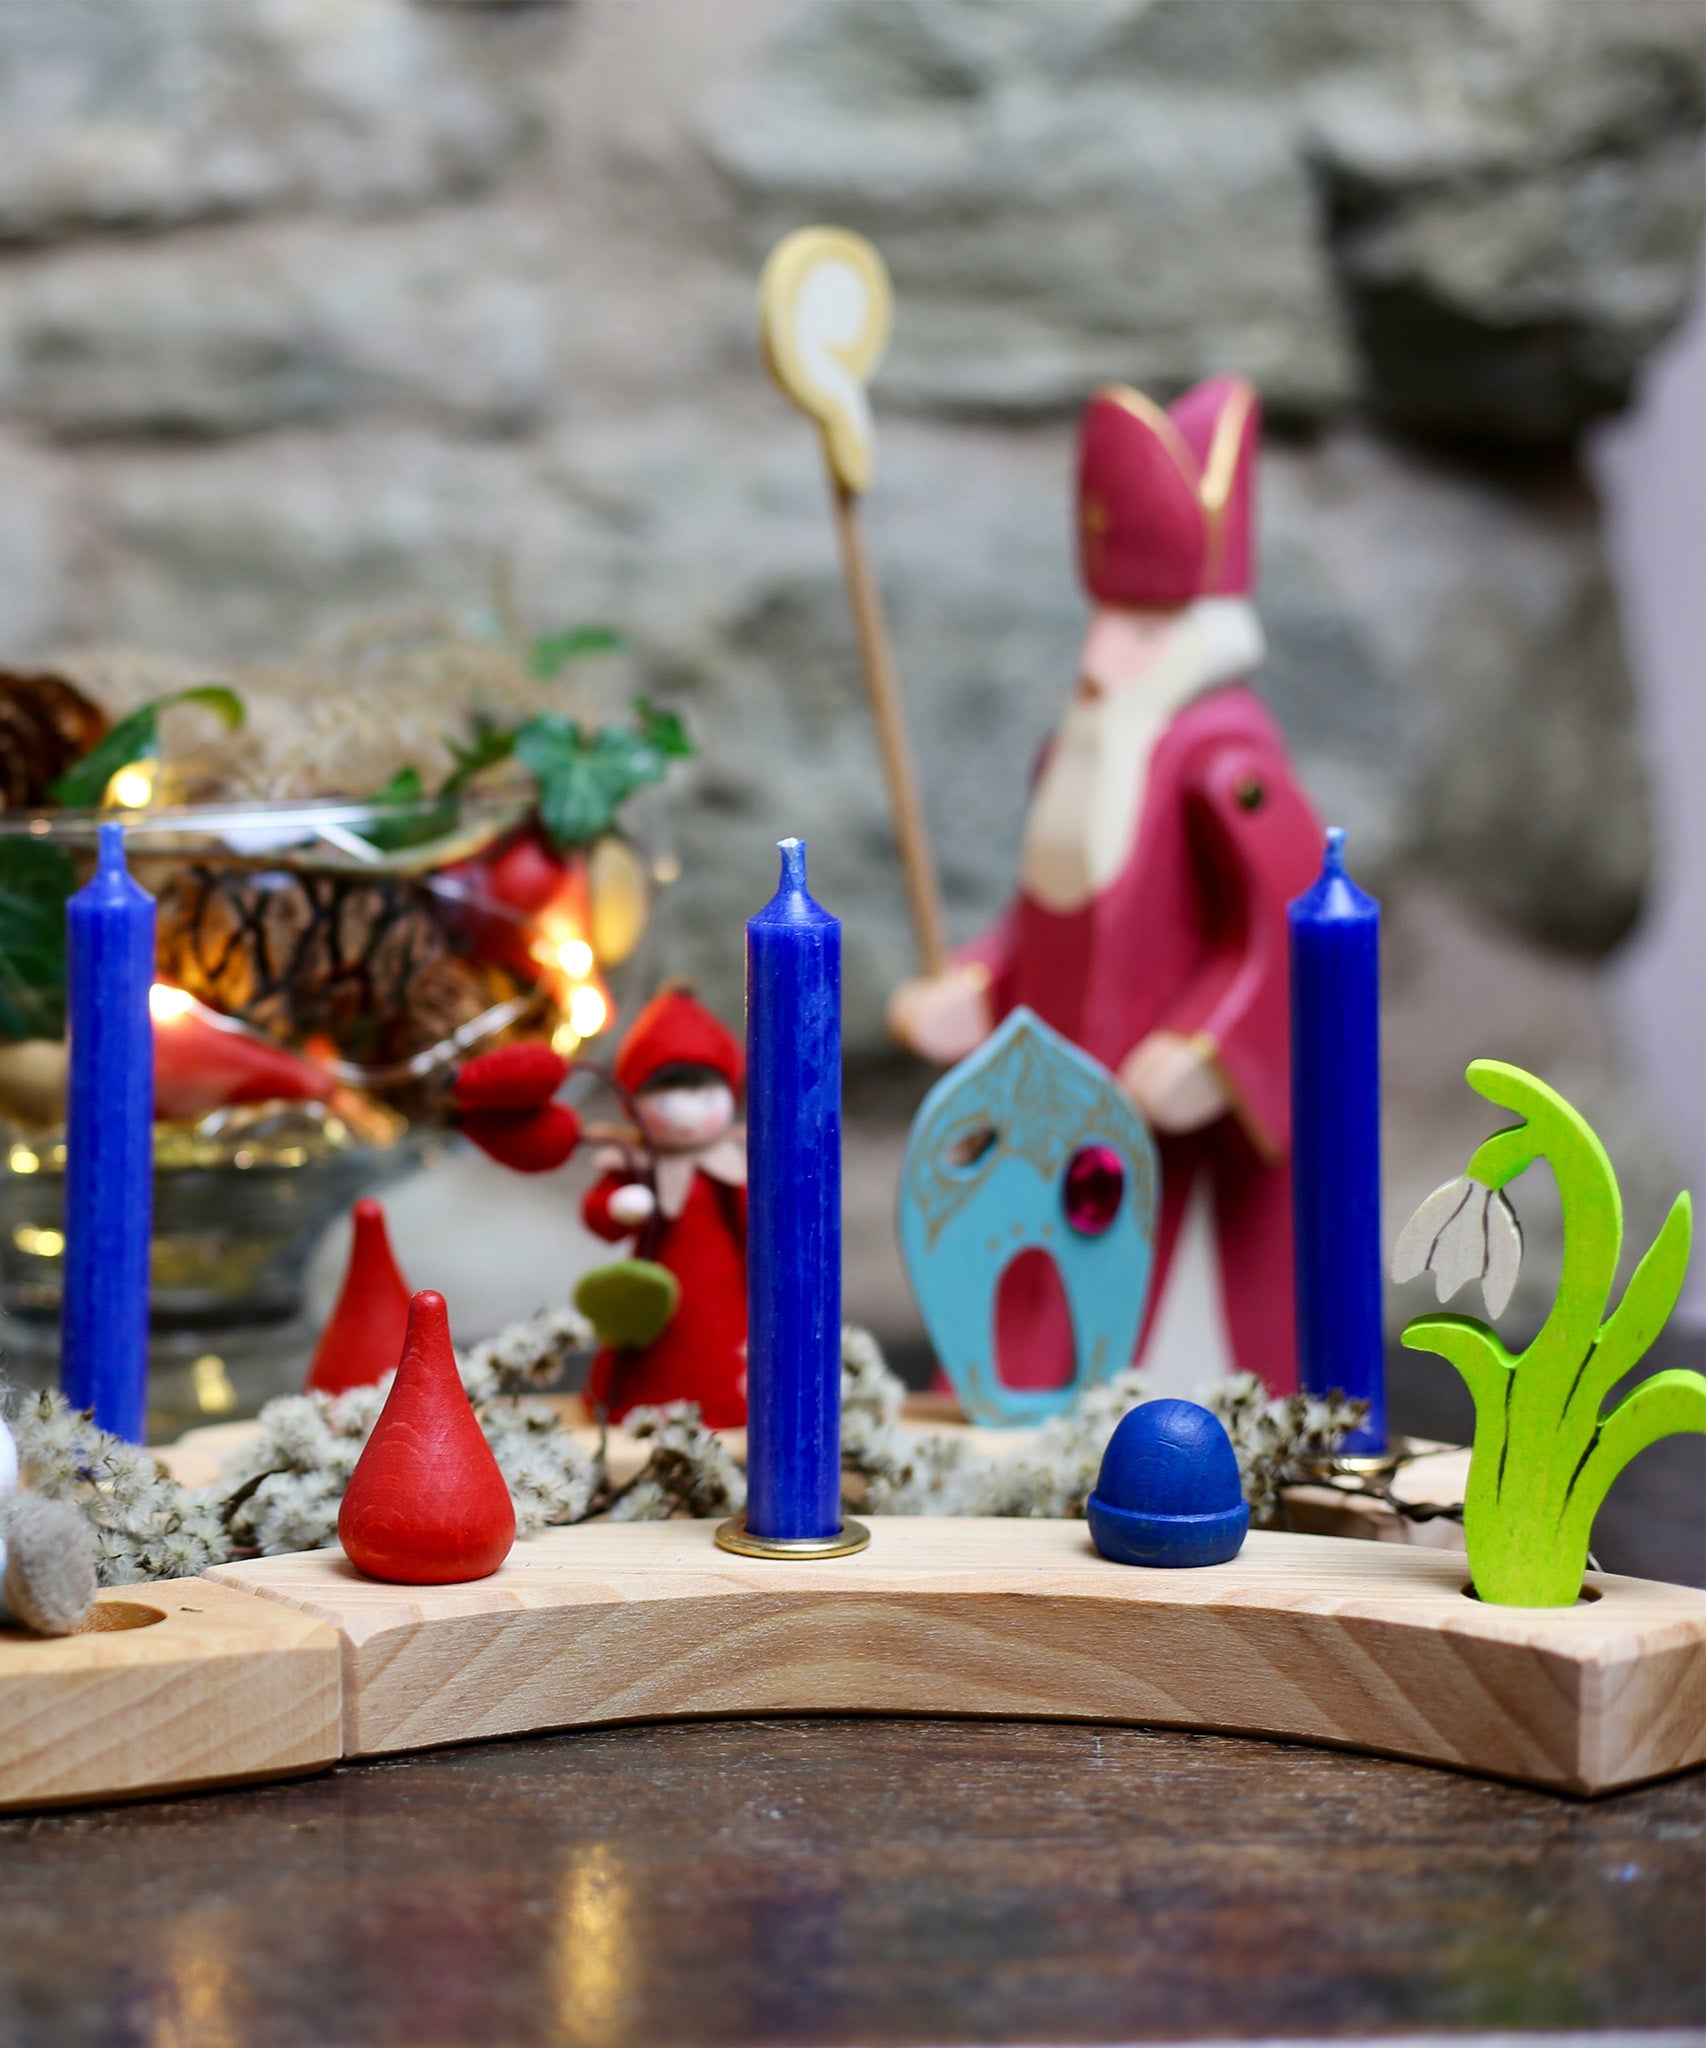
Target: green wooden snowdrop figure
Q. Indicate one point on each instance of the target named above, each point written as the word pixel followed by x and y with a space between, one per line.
pixel 1545 1453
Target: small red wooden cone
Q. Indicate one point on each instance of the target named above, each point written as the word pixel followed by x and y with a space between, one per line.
pixel 427 1505
pixel 363 1339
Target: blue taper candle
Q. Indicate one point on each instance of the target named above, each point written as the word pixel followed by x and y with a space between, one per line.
pixel 109 1144
pixel 793 1244
pixel 1335 1141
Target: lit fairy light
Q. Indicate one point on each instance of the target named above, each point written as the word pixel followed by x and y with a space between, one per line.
pixel 131 788
pixel 587 1011
pixel 166 1004
pixel 574 957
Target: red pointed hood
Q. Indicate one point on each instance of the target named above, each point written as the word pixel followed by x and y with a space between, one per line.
pixel 426 1504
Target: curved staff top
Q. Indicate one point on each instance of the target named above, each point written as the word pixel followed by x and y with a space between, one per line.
pixel 793 1053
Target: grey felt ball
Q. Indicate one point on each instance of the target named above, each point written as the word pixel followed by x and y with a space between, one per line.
pixel 49 1583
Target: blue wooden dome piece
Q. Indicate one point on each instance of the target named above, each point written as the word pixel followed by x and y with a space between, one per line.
pixel 1168 1491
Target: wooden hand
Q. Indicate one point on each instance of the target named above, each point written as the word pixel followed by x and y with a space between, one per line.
pixel 1173 1081
pixel 942 1017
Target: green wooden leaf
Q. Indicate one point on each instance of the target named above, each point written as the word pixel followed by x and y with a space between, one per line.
pixel 1645 1308
pixel 629 1303
pixel 1543 1456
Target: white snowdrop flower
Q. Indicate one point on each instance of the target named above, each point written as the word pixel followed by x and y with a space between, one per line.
pixel 1464 1231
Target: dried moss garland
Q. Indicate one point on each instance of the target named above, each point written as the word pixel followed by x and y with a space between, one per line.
pixel 282 1491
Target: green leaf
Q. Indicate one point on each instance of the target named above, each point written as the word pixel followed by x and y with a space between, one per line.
pixel 35 880
pixel 551 651
pixel 488 744
pixel 584 779
pixel 663 730
pixel 1644 1310
pixel 391 835
pixel 137 738
pixel 629 1303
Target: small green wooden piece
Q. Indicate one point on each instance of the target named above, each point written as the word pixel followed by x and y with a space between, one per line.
pixel 629 1303
pixel 1544 1454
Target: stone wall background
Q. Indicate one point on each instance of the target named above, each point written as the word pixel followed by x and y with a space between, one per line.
pixel 311 309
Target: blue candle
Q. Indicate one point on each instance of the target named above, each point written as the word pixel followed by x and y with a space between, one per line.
pixel 793 1246
pixel 109 1144
pixel 1335 1141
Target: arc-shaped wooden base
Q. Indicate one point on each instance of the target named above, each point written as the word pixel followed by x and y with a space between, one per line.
pixel 168 1687
pixel 1370 1646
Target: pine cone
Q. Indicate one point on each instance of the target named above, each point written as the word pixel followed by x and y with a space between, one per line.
pixel 360 959
pixel 46 723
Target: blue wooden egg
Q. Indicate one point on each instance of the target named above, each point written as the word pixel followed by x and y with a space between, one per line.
pixel 1168 1491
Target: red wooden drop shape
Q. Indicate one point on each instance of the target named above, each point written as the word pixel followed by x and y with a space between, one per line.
pixel 427 1505
pixel 363 1340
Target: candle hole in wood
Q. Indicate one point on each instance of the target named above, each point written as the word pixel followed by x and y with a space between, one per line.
pixel 1033 1324
pixel 1585 1598
pixel 107 1617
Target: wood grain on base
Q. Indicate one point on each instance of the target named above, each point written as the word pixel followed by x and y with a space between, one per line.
pixel 1372 1646
pixel 177 1685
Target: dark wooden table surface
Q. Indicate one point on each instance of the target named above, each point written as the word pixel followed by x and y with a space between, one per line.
pixel 797 1882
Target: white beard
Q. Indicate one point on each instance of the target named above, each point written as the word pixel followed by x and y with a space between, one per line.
pixel 1088 803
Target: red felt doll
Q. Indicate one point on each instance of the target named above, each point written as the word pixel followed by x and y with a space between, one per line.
pixel 1165 834
pixel 681 1195
pixel 676 1185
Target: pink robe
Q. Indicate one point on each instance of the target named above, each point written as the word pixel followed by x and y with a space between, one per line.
pixel 1190 937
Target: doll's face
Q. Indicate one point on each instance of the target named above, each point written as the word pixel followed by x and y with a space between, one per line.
pixel 684 1115
pixel 1123 644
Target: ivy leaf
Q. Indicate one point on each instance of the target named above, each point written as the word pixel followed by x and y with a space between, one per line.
pixel 391 835
pixel 585 778
pixel 663 730
pixel 488 744
pixel 551 651
pixel 35 880
pixel 137 738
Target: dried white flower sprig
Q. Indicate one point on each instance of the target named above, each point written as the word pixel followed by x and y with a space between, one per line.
pixel 894 1468
pixel 282 1490
pixel 145 1525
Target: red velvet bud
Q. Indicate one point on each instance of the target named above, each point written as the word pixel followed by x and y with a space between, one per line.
pixel 510 1077
pixel 527 1140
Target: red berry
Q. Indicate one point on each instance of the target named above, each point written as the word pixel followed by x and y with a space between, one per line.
pixel 521 1076
pixel 526 1140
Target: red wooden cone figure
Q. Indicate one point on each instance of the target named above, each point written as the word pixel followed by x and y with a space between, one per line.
pixel 364 1338
pixel 427 1505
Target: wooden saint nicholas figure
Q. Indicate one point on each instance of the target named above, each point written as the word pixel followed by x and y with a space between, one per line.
pixel 1165 834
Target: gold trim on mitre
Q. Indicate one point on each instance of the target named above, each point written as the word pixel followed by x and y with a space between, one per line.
pixel 1221 470
pixel 1160 423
